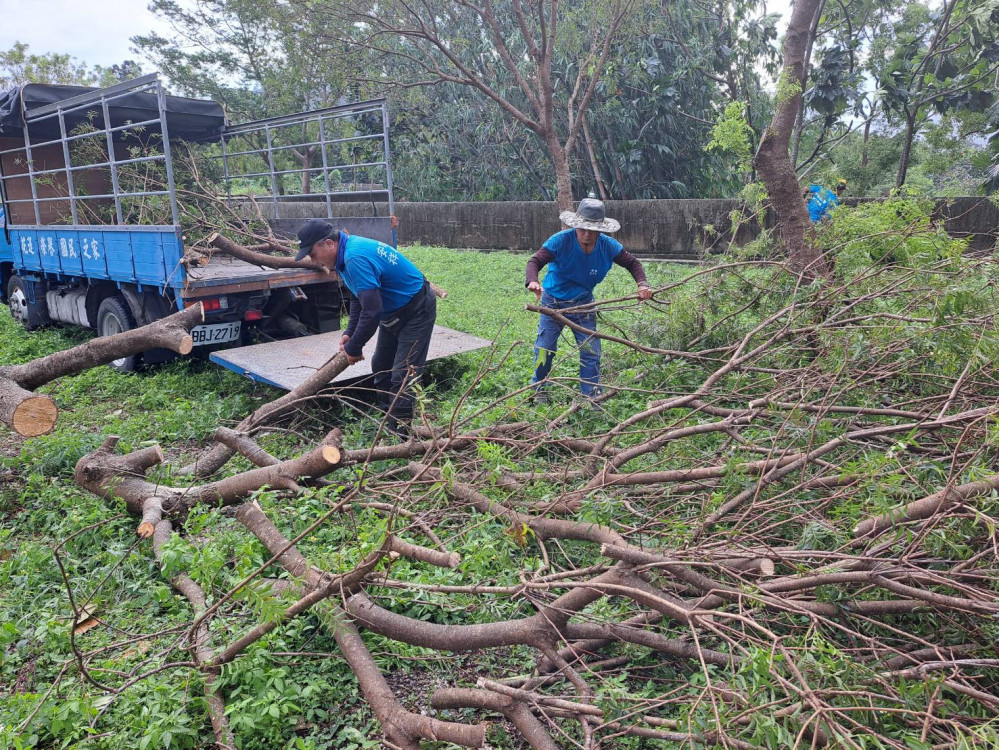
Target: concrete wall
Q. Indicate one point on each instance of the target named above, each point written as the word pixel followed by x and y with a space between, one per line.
pixel 673 229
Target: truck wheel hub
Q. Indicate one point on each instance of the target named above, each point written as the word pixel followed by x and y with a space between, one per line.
pixel 19 306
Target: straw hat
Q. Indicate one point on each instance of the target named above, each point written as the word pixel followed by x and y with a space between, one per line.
pixel 591 214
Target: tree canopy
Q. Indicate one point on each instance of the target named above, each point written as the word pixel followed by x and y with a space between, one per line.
pixel 616 98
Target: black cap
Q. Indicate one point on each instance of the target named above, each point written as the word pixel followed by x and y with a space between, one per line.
pixel 312 232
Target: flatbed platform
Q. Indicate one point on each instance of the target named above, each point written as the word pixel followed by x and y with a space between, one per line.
pixel 227 275
pixel 287 364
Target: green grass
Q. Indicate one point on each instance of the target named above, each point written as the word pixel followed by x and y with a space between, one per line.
pixel 178 406
pixel 292 689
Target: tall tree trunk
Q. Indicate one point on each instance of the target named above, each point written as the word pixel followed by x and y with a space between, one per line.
pixel 563 178
pixel 619 185
pixel 799 123
pixel 772 159
pixel 306 175
pixel 903 161
pixel 593 160
pixel 864 155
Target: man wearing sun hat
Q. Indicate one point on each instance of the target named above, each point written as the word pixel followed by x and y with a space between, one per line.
pixel 388 294
pixel 578 258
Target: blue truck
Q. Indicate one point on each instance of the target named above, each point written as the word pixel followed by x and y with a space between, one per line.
pixel 91 230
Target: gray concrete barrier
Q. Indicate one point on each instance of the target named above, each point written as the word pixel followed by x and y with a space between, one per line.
pixel 668 229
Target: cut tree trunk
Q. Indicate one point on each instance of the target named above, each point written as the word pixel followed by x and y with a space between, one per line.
pixel 594 164
pixel 215 457
pixel 258 257
pixel 31 414
pixel 903 160
pixel 110 475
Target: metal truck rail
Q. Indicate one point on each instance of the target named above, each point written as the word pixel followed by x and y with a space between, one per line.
pixel 91 214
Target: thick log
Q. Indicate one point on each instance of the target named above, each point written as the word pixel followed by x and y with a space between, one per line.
pixel 245 446
pixel 926 507
pixel 28 414
pixel 402 548
pixel 541 630
pixel 401 727
pixel 172 332
pixel 258 258
pixel 260 255
pixel 112 476
pixel 316 463
pixel 31 414
pixel 516 711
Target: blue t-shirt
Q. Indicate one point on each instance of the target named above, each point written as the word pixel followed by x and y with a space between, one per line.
pixel 368 264
pixel 574 273
pixel 823 200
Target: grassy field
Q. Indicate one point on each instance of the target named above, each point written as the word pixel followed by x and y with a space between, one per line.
pixel 42 511
pixel 832 373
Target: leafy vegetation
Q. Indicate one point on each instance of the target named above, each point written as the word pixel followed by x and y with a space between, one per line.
pixel 896 94
pixel 776 528
pixel 904 325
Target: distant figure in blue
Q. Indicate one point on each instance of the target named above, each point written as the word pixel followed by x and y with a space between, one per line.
pixel 578 258
pixel 822 200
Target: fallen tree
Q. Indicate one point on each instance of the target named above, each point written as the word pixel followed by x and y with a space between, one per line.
pixel 776 527
pixel 31 414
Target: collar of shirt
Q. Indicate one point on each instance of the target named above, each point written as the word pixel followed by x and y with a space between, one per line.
pixel 341 248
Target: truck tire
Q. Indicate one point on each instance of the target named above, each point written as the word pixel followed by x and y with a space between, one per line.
pixel 31 315
pixel 114 316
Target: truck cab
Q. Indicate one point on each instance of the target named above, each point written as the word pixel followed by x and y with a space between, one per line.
pixel 97 224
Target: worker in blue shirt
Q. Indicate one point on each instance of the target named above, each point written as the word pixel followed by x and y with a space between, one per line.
pixel 578 258
pixel 388 294
pixel 822 200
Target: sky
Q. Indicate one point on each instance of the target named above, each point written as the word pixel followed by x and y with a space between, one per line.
pixel 95 32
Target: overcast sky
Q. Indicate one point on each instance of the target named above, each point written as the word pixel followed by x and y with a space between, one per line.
pixel 93 31
pixel 97 31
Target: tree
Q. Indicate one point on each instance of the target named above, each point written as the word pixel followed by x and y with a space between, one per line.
pixel 450 143
pixel 19 67
pixel 729 44
pixel 662 91
pixel 257 58
pixel 929 63
pixel 772 158
pixel 505 51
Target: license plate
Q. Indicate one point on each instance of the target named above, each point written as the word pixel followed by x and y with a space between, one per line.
pixel 215 333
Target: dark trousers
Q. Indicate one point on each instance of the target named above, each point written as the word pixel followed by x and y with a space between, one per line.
pixel 401 353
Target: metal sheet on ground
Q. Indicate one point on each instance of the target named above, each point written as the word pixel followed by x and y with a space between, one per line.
pixel 287 364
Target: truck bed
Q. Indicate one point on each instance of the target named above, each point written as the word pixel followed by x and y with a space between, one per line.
pixel 226 275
